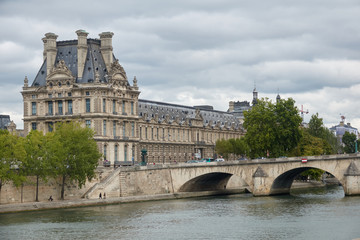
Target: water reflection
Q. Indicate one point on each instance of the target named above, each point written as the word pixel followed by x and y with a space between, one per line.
pixel 315 214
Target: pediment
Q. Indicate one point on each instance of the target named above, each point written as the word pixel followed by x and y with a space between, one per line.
pixel 60 72
pixel 117 72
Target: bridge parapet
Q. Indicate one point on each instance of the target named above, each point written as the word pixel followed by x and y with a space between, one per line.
pixel 277 175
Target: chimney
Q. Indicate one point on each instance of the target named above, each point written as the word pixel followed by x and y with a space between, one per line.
pixel 81 51
pixel 50 50
pixel 106 48
pixel 231 106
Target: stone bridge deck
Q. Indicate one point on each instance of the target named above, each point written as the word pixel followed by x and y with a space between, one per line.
pixel 261 177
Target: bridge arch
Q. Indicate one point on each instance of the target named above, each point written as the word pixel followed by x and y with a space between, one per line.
pixel 207 182
pixel 282 183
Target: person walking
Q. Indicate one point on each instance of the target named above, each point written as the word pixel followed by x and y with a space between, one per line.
pixel 100 196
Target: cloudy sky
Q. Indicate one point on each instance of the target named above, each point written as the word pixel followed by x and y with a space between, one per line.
pixel 201 52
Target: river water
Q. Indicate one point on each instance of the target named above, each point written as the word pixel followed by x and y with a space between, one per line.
pixel 310 214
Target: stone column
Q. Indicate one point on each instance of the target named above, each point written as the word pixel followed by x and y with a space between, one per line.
pixel 352 180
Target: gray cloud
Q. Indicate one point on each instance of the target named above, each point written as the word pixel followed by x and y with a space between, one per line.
pixel 202 52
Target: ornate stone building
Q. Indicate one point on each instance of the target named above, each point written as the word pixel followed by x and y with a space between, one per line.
pixel 82 80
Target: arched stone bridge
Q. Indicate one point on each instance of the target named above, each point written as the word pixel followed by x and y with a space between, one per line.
pixel 261 177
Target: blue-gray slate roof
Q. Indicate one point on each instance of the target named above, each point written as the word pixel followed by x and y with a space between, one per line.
pixel 67 51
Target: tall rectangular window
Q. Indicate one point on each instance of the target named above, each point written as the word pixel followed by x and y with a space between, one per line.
pixel 133 129
pixel 33 108
pixel 50 126
pixel 60 107
pixel 146 133
pixel 114 128
pixel 104 105
pixel 105 152
pixel 140 135
pixel 50 108
pixel 125 152
pixel 116 153
pixel 88 123
pixel 88 105
pixel 114 106
pixel 124 127
pixel 132 108
pixel 104 127
pixel 152 134
pixel 123 107
pixel 33 126
pixel 70 108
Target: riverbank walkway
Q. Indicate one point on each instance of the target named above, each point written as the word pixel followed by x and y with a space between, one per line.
pixel 35 206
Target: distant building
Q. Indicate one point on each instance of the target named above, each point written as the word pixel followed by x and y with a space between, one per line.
pixel 340 129
pixel 238 108
pixel 4 121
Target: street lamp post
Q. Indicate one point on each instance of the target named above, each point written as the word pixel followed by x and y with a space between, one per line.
pixel 356 146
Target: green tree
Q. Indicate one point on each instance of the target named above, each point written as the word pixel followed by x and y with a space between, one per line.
pixel 11 159
pixel 272 128
pixel 74 152
pixel 308 146
pixel 316 127
pixel 333 142
pixel 223 147
pixel 239 146
pixel 37 160
pixel 348 140
pixel 314 173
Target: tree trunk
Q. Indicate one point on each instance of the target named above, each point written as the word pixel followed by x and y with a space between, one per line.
pixel 63 188
pixel 37 188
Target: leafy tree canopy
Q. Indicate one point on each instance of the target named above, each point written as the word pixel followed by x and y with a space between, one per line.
pixel 74 152
pixel 316 127
pixel 12 156
pixel 348 140
pixel 272 128
pixel 236 146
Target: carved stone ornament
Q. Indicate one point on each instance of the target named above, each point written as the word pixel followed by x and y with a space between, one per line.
pixel 60 71
pixel 117 73
pixel 26 82
pixel 197 114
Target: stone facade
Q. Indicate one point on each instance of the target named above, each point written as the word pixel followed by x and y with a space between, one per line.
pixel 82 80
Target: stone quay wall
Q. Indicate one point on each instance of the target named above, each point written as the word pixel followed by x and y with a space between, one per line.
pixel 10 194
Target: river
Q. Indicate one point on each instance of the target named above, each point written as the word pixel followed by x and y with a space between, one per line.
pixel 305 214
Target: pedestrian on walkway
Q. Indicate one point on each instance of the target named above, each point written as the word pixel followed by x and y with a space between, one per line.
pixel 100 196
pixel 104 195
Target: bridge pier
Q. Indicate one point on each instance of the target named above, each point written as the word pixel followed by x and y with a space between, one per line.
pixel 261 186
pixel 352 180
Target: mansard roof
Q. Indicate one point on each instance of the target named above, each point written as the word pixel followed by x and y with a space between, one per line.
pixel 174 111
pixel 67 51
